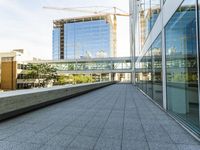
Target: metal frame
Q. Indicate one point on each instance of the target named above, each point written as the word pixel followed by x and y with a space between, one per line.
pixel 164 85
pixel 100 65
pixel 163 20
pixel 198 48
pixel 82 60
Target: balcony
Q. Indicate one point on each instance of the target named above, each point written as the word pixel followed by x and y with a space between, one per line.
pixel 116 117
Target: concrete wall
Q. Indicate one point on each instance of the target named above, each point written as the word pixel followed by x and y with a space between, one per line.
pixel 17 102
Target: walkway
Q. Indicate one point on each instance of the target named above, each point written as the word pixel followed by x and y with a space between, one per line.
pixel 117 117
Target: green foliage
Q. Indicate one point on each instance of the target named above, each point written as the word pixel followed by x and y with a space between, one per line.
pixel 74 79
pixel 41 71
pixel 71 67
pixel 82 79
pixel 184 77
pixel 46 72
pixel 65 79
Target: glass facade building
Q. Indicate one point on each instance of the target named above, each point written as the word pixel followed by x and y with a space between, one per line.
pixel 88 37
pixel 56 44
pixel 165 45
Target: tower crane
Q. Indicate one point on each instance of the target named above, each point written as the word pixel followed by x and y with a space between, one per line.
pixel 105 11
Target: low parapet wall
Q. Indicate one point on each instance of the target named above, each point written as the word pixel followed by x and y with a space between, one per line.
pixel 17 102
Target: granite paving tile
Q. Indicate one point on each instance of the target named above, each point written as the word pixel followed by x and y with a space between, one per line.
pixel 117 117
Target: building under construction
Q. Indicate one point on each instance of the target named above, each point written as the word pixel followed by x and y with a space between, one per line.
pixel 84 37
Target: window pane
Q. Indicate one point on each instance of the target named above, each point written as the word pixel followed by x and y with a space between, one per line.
pixel 56 43
pixel 149 73
pixel 155 10
pixel 87 39
pixel 157 70
pixel 181 63
pixel 147 14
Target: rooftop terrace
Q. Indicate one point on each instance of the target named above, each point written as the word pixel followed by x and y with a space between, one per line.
pixel 117 117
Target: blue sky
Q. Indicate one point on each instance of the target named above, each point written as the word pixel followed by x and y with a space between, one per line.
pixel 25 24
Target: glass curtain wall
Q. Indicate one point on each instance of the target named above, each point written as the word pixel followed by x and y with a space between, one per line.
pixel 89 39
pixel 144 75
pixel 181 52
pixel 69 42
pixel 138 74
pixel 149 12
pixel 142 23
pixel 142 72
pixel 157 70
pixel 181 64
pixel 56 43
pixel 147 16
pixel 149 73
pixel 155 11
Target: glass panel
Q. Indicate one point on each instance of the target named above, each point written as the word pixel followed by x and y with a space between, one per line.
pixel 149 73
pixel 87 39
pixel 155 10
pixel 181 60
pixel 147 14
pixel 137 74
pixel 157 70
pixel 142 23
pixel 137 78
pixel 56 43
pixel 140 74
pixel 144 67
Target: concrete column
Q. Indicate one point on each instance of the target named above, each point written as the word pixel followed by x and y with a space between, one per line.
pixel 133 78
pixel 164 67
pixel 109 76
pixel 100 77
pixel 112 76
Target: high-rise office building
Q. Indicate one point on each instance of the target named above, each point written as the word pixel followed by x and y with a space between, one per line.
pixel 83 37
pixel 165 44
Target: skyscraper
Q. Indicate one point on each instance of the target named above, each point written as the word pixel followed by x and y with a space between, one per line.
pixel 83 37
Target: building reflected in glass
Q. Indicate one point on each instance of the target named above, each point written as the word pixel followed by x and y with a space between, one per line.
pixel 181 63
pixel 86 37
pixel 56 44
pixel 167 59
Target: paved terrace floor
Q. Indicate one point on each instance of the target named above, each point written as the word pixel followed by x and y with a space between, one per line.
pixel 117 117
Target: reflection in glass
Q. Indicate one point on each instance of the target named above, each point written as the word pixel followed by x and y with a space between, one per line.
pixel 157 71
pixel 144 19
pixel 87 39
pixel 56 43
pixel 155 10
pixel 142 23
pixel 181 64
pixel 147 14
pixel 149 72
pixel 144 67
pixel 138 74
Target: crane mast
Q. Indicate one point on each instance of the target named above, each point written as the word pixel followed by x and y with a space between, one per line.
pixel 115 33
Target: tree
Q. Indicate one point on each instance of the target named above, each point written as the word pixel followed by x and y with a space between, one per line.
pixel 73 79
pixel 82 79
pixel 65 79
pixel 46 72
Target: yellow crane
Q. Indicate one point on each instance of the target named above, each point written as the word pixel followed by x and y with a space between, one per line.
pixel 105 11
